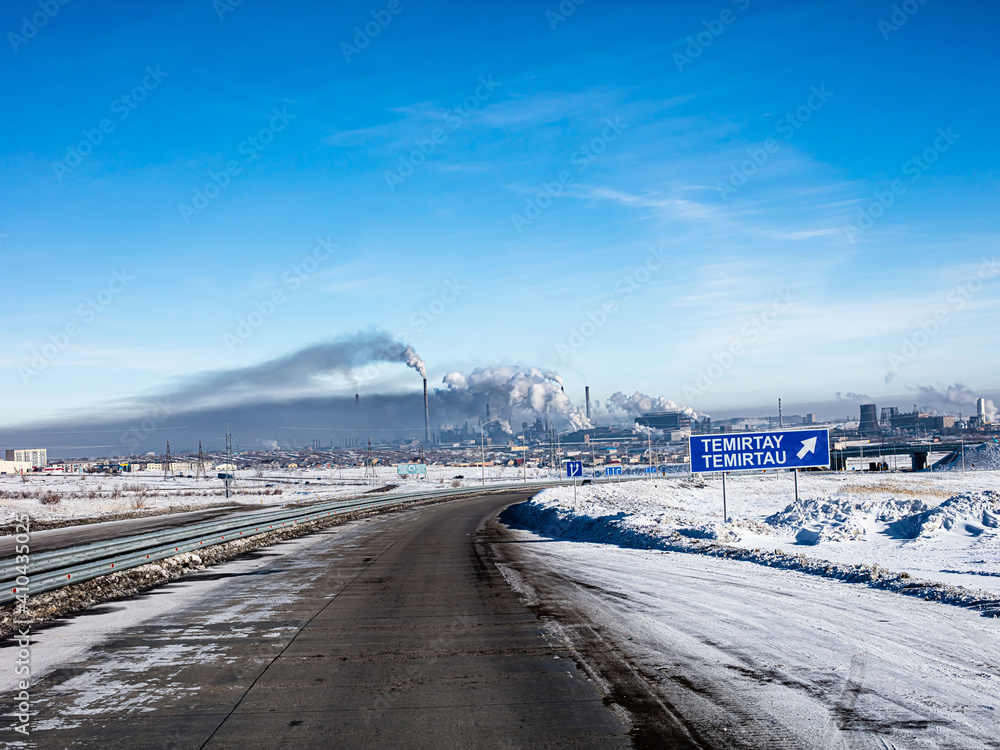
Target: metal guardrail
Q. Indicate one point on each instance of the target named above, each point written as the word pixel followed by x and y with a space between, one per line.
pixel 51 570
pixel 45 561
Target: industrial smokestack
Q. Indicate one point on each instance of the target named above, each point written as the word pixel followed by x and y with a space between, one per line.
pixel 588 402
pixel 357 399
pixel 427 414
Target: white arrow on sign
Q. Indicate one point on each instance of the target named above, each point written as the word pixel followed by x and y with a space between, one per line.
pixel 808 446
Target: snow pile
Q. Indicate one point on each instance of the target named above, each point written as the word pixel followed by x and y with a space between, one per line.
pixel 838 519
pixel 972 513
pixel 985 457
pixel 721 532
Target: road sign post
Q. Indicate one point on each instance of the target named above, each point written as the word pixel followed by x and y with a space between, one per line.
pixel 574 469
pixel 725 516
pixel 749 451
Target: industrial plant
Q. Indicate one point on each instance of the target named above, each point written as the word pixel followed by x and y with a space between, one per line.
pixel 654 438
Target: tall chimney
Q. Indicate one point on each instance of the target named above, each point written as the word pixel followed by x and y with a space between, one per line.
pixel 588 402
pixel 427 414
pixel 357 399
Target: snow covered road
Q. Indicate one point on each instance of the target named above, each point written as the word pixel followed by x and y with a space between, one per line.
pixel 746 656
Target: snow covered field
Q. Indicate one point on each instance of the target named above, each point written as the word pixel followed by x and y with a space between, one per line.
pixel 63 497
pixel 941 526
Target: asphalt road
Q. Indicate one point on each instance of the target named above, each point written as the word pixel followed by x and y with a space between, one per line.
pixel 397 631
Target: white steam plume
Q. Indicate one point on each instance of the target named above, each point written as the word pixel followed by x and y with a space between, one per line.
pixel 958 395
pixel 514 393
pixel 638 403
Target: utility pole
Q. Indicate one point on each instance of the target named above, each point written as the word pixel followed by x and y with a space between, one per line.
pixel 370 462
pixel 649 437
pixel 524 458
pixel 230 465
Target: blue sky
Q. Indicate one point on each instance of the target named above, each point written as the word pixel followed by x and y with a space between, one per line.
pixel 628 198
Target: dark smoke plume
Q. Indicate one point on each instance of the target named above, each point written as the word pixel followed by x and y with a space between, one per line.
pixel 292 374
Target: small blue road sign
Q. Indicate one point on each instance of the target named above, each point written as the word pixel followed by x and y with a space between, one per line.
pixel 410 470
pixel 574 468
pixel 746 451
pixel 613 471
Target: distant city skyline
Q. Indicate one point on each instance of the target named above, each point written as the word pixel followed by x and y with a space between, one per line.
pixel 720 204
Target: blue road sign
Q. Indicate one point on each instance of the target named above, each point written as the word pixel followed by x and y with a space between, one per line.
pixel 650 469
pixel 574 468
pixel 743 451
pixel 613 471
pixel 404 470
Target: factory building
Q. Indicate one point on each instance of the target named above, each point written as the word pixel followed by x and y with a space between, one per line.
pixel 34 457
pixel 915 421
pixel 665 420
pixel 936 423
pixel 906 420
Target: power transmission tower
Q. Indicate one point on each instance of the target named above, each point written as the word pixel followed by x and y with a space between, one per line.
pixel 199 472
pixel 168 470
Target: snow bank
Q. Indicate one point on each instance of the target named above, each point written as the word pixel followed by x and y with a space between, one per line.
pixel 941 526
pixel 838 519
pixel 971 514
pixel 619 530
pixel 984 457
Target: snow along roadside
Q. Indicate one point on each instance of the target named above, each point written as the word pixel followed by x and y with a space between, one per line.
pixel 567 525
